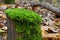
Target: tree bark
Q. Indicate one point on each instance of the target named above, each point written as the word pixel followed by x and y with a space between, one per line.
pixel 49 7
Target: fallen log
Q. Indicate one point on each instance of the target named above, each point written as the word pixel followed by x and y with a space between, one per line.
pixel 49 7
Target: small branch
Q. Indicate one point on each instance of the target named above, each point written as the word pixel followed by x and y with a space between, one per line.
pixel 49 7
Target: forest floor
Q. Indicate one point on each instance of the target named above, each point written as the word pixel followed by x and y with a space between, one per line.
pixel 50 21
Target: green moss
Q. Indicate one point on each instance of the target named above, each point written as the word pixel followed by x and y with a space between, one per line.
pixel 27 23
pixel 9 1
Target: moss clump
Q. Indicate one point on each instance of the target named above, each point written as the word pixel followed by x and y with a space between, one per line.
pixel 27 23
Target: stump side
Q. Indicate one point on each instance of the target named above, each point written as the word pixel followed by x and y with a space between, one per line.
pixel 11 30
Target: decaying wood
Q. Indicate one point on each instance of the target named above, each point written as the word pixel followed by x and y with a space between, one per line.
pixel 49 7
